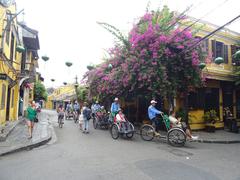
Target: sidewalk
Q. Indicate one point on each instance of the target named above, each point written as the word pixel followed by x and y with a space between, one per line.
pixel 18 139
pixel 219 136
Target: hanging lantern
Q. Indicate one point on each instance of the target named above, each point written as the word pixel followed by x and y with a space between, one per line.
pixel 110 66
pixel 218 60
pixel 20 48
pixel 90 67
pixel 45 58
pixel 68 64
pixel 202 65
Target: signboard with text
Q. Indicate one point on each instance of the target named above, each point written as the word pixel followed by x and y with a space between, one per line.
pixel 3 76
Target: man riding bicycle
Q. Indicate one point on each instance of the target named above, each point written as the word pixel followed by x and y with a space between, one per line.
pixel 76 108
pixel 152 114
pixel 115 107
pixel 60 112
pixel 95 108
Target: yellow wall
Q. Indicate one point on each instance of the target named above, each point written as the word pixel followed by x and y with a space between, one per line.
pixel 3 111
pixel 64 90
pixel 5 69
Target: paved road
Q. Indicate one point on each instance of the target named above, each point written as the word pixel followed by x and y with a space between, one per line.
pixel 76 156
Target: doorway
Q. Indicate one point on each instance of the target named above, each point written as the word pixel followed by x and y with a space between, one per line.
pixel 8 104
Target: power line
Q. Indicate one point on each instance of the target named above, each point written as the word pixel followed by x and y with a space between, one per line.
pixel 210 34
pixel 209 12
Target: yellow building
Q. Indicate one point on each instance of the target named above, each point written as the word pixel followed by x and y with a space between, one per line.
pixel 219 91
pixel 10 63
pixel 18 60
pixel 61 95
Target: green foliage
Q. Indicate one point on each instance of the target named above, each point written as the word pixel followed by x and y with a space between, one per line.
pixel 82 93
pixel 116 32
pixel 40 92
pixel 210 116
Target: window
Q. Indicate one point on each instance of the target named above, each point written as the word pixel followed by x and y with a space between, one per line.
pixel 203 44
pixel 8 30
pixel 12 103
pixel 234 49
pixel 3 96
pixel 219 49
pixel 12 45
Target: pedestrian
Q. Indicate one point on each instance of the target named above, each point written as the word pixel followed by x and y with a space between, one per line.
pixel 86 117
pixel 81 120
pixel 31 116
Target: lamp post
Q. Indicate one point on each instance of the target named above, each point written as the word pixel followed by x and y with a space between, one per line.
pixel 76 87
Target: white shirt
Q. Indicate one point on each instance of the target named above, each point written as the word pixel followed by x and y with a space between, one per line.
pixel 120 118
pixel 174 122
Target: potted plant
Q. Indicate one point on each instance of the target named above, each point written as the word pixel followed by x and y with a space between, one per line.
pixel 210 118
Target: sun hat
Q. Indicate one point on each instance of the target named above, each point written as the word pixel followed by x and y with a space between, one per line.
pixel 116 99
pixel 153 102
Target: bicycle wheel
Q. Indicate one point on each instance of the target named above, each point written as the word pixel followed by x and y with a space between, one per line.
pixel 114 131
pixel 176 137
pixel 95 124
pixel 60 123
pixel 147 132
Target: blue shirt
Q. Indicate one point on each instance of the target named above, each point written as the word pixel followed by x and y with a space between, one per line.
pixel 76 107
pixel 115 107
pixel 95 108
pixel 152 112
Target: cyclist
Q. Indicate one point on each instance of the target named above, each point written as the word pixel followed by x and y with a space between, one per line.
pixel 76 108
pixel 176 122
pixel 152 114
pixel 95 108
pixel 60 112
pixel 115 107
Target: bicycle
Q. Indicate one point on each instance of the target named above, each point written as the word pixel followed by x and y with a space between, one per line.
pixel 60 120
pixel 175 136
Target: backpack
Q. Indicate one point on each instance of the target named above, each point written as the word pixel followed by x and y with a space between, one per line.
pixel 87 113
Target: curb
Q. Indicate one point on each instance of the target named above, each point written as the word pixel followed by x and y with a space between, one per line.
pixel 209 141
pixel 29 146
pixel 217 141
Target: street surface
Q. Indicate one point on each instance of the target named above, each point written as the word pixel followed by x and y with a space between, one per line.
pixel 72 155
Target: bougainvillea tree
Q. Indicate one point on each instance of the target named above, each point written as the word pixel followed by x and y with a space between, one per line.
pixel 157 58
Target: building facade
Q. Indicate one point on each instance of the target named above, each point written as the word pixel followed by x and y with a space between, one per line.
pixel 17 61
pixel 61 95
pixel 219 90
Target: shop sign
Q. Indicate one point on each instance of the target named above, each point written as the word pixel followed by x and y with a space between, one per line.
pixel 3 76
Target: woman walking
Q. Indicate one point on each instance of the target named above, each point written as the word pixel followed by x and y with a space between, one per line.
pixel 86 117
pixel 31 116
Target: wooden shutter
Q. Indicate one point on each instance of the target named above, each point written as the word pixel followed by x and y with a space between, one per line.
pixel 3 96
pixel 225 53
pixel 213 49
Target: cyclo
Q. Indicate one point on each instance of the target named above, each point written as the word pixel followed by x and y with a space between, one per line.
pixel 175 136
pixel 118 128
pixel 100 119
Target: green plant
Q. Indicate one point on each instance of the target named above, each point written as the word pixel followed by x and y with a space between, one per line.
pixel 40 92
pixel 210 117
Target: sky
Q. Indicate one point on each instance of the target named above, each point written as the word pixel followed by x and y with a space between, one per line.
pixel 68 30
